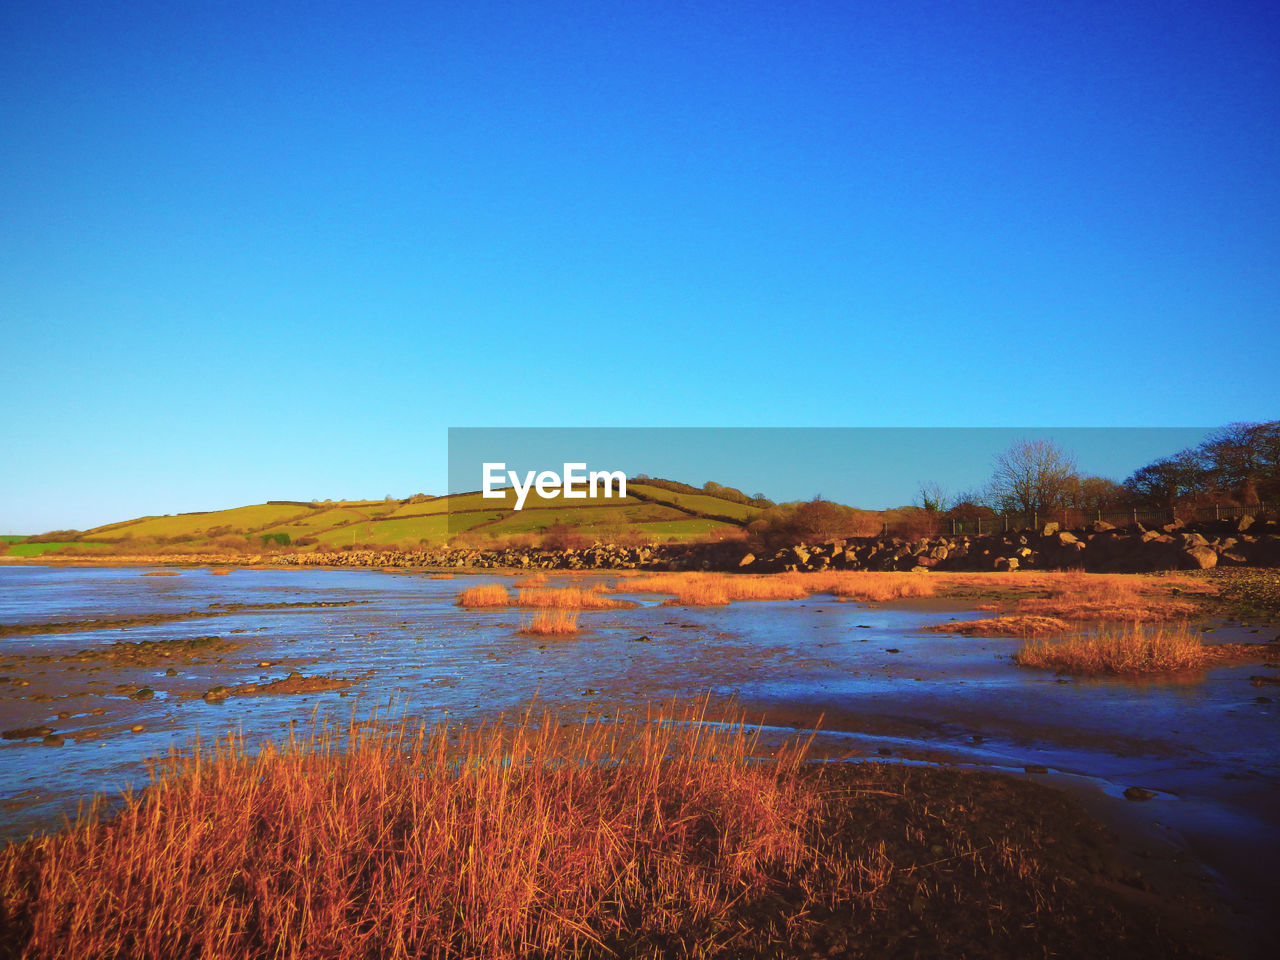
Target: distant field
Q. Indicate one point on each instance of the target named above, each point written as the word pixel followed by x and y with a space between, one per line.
pixel 39 549
pixel 699 502
pixel 652 512
pixel 315 523
pixel 434 529
pixel 194 525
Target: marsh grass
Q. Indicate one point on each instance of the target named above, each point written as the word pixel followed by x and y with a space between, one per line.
pixel 1126 650
pixel 552 622
pixel 1118 598
pixel 1015 625
pixel 717 589
pixel 489 595
pixel 538 839
pixel 569 598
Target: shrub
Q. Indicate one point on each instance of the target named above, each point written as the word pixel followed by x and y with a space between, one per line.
pixel 561 536
pixel 813 521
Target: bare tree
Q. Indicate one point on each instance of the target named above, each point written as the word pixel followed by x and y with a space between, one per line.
pixel 933 498
pixel 1032 476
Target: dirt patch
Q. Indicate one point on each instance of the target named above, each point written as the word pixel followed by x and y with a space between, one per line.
pixel 143 653
pixel 1245 592
pixel 122 623
pixel 954 864
pixel 294 683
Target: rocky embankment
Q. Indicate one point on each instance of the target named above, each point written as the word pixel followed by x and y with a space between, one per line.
pixel 1099 547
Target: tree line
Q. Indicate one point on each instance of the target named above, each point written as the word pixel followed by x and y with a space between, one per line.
pixel 1235 465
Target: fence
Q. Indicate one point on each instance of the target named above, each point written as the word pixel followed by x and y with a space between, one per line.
pixel 1004 523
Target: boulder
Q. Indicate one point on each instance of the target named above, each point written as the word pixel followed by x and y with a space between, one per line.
pixel 1199 558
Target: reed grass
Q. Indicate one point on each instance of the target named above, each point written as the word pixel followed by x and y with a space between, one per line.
pixel 534 840
pixel 1128 650
pixel 1094 597
pixel 1015 625
pixel 489 595
pixel 552 622
pixel 711 589
pixel 569 598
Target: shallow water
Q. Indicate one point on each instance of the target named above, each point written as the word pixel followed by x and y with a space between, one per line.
pixel 1210 747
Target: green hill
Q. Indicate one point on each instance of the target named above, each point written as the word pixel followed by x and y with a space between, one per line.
pixel 652 511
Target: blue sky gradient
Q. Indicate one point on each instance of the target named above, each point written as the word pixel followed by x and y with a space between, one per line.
pixel 260 251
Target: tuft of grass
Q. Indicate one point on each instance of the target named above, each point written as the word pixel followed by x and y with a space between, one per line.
pixel 1117 598
pixel 1128 650
pixel 1017 625
pixel 870 586
pixel 711 589
pixel 552 622
pixel 538 840
pixel 569 598
pixel 490 595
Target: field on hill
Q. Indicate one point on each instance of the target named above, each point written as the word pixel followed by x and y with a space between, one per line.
pixel 652 512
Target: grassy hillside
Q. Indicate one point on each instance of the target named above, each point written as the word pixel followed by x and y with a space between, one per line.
pixel 649 513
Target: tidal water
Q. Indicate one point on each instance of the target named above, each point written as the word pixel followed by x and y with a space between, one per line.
pixel 1208 746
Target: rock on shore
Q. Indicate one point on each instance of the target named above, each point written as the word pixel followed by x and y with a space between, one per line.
pixel 1098 547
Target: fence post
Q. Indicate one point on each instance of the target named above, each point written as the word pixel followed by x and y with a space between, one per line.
pixel 1217 515
pixel 1135 516
pixel 953 526
pixel 1006 523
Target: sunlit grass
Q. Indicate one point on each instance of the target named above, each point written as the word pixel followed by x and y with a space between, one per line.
pixel 1128 650
pixel 1094 597
pixel 489 595
pixel 552 622
pixel 713 589
pixel 569 598
pixel 537 840
pixel 1016 625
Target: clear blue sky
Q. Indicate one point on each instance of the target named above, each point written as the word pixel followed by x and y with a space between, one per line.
pixel 274 250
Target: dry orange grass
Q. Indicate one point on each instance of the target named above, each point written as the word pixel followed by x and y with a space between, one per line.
pixel 1113 597
pixel 870 586
pixel 710 589
pixel 1128 650
pixel 1017 625
pixel 541 840
pixel 441 576
pixel 569 598
pixel 490 595
pixel 552 622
